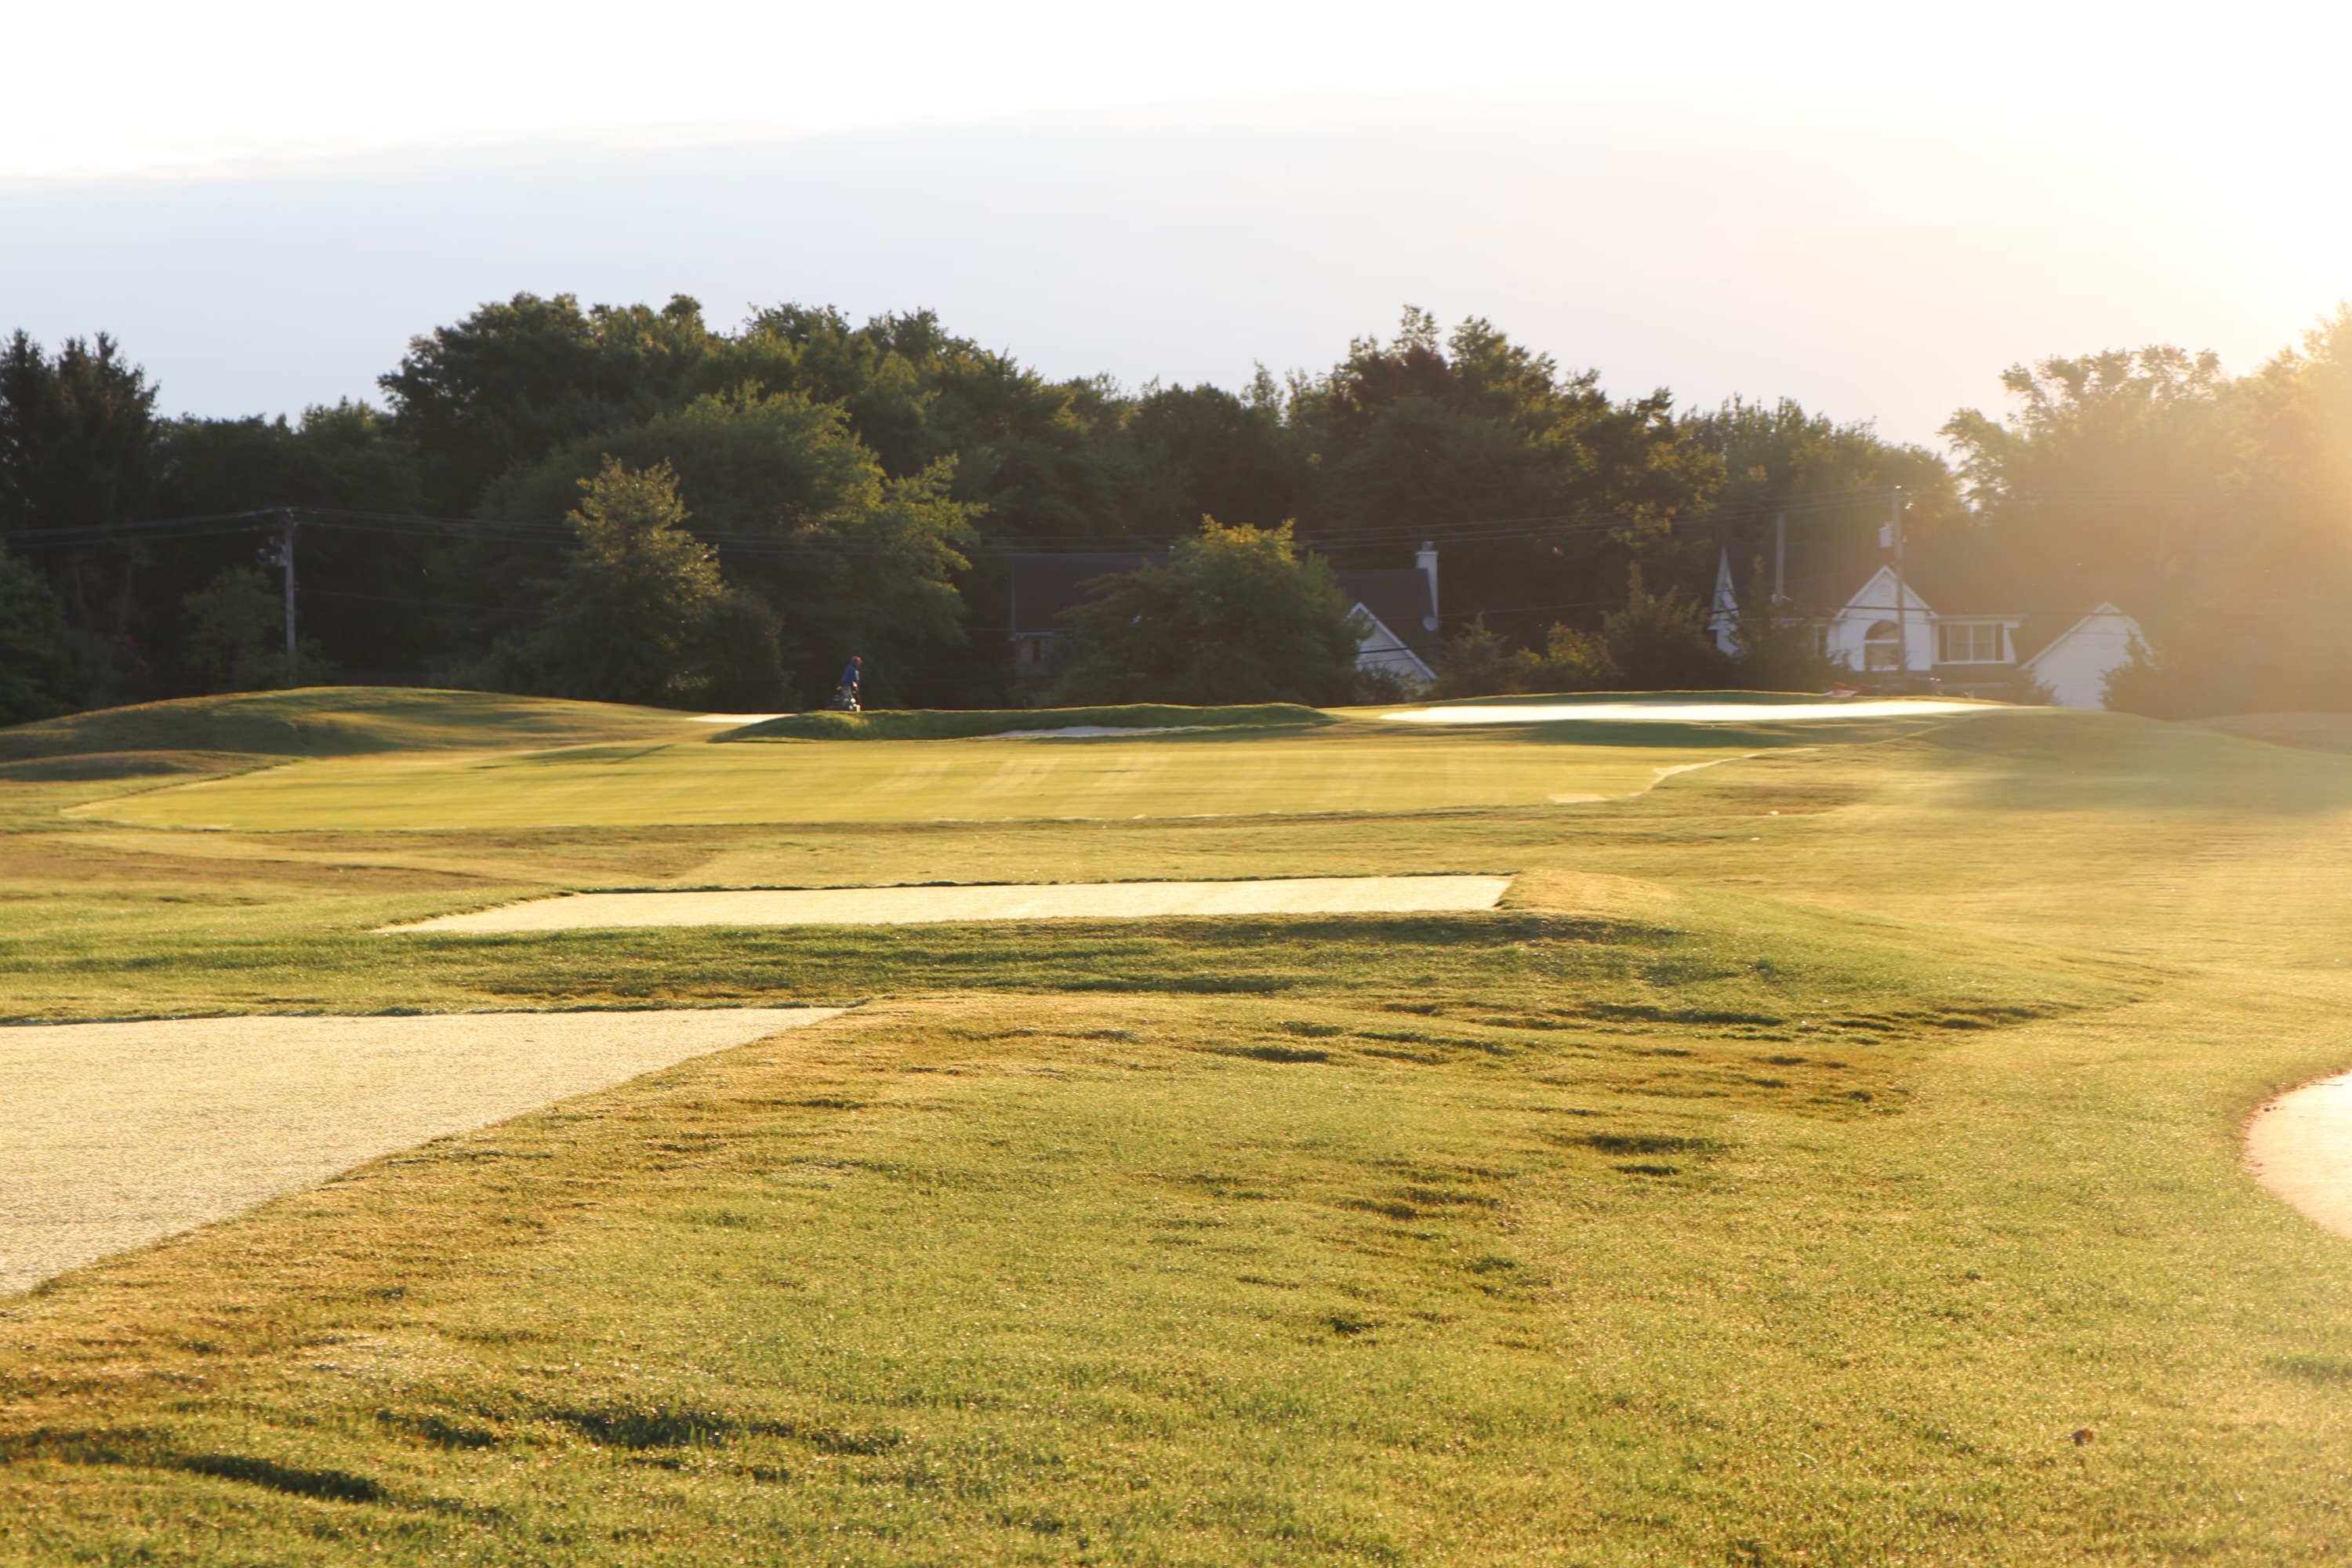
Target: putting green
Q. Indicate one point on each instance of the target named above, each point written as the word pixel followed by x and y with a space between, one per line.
pixel 1346 768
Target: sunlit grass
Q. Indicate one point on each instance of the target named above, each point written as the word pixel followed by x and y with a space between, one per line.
pixel 1807 1152
pixel 1227 773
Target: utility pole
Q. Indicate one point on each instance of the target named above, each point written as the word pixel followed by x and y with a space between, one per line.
pixel 286 526
pixel 1902 594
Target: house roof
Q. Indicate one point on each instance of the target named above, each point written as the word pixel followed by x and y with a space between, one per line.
pixel 2056 603
pixel 1399 597
pixel 1955 578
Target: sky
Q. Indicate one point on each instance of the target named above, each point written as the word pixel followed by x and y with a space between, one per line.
pixel 1871 209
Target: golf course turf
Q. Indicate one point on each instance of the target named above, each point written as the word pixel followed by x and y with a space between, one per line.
pixel 1829 1156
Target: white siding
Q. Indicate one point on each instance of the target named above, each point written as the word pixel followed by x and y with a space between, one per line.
pixel 1850 628
pixel 1380 648
pixel 2074 666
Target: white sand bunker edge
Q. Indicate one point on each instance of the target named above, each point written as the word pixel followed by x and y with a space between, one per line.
pixel 116 1135
pixel 1029 901
pixel 2299 1147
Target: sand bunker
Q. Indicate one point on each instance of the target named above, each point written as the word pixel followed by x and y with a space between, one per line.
pixel 1037 901
pixel 1687 712
pixel 114 1135
pixel 2299 1147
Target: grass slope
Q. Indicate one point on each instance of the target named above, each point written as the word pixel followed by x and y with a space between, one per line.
pixel 1343 768
pixel 2312 731
pixel 340 720
pixel 942 724
pixel 1812 1149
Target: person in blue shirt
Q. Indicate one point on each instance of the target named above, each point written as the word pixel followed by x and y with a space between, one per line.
pixel 849 679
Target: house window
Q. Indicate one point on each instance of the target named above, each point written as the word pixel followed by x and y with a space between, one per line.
pixel 1968 643
pixel 1878 647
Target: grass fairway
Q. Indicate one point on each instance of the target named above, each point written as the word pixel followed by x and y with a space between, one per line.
pixel 1805 1153
pixel 1342 768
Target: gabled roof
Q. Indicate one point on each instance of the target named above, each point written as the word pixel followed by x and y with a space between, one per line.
pixel 1962 576
pixel 2064 629
pixel 2056 603
pixel 1398 598
pixel 1951 578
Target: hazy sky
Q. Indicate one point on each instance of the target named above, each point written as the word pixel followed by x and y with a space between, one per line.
pixel 1871 208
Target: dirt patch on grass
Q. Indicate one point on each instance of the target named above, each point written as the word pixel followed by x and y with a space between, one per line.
pixel 114 1135
pixel 1027 901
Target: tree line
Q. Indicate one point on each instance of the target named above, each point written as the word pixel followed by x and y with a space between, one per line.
pixel 627 503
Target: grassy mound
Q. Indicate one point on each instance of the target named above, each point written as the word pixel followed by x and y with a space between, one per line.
pixel 86 767
pixel 941 724
pixel 338 722
pixel 2304 732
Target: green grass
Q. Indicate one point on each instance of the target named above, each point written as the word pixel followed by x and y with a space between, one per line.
pixel 1350 768
pixel 1809 1147
pixel 944 724
pixel 335 721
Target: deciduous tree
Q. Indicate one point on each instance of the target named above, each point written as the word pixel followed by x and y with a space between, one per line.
pixel 1238 614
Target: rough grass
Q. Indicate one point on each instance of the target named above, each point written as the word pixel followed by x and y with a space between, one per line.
pixel 1814 1148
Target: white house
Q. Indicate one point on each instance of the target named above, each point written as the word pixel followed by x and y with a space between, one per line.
pixel 1962 619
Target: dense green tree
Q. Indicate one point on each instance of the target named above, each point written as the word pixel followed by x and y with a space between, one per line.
pixel 233 635
pixel 368 590
pixel 1543 488
pixel 1202 451
pixel 510 382
pixel 841 470
pixel 78 456
pixel 78 435
pixel 1774 650
pixel 1659 642
pixel 2111 461
pixel 2214 504
pixel 37 674
pixel 347 456
pixel 1039 457
pixel 852 559
pixel 1238 614
pixel 641 611
pixel 1828 480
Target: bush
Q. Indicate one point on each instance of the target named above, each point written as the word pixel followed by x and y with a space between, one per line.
pixel 1236 616
pixel 1655 642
